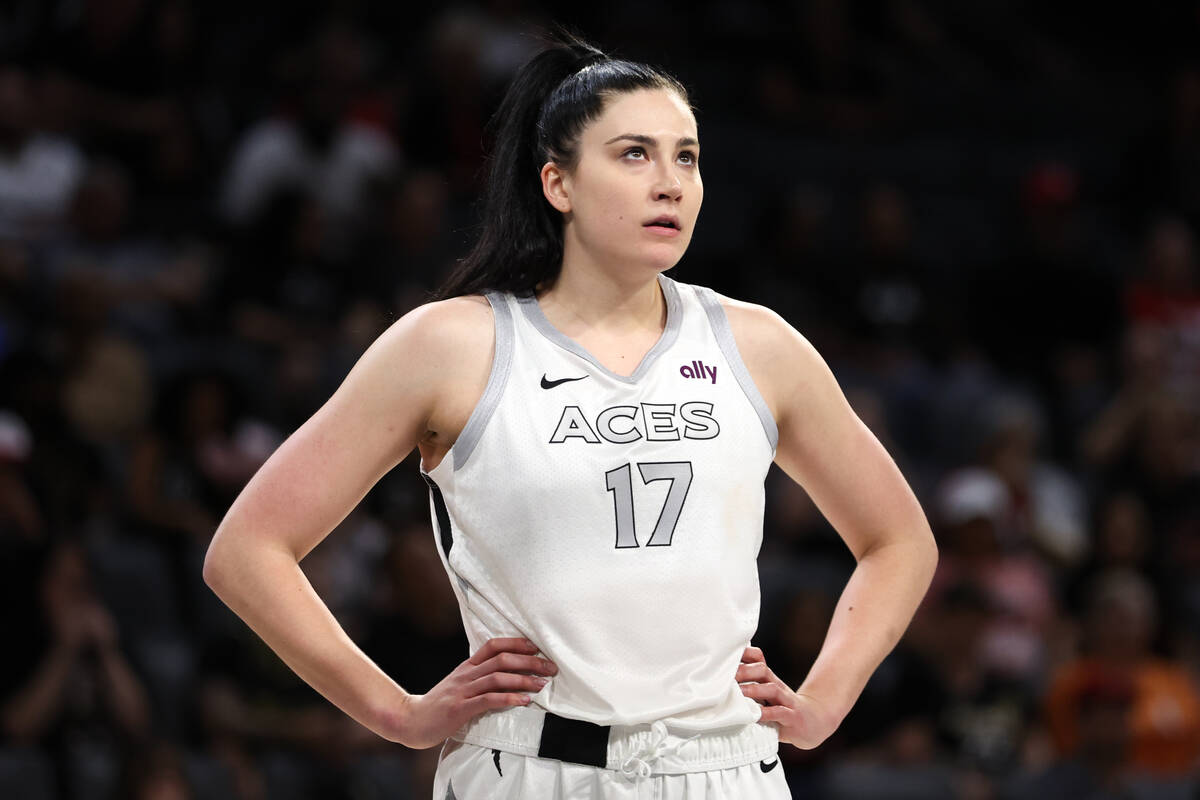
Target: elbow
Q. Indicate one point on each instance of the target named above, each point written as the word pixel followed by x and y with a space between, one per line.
pixel 916 547
pixel 915 541
pixel 221 557
pixel 210 570
pixel 929 555
pixel 219 574
pixel 213 570
pixel 929 546
pixel 233 557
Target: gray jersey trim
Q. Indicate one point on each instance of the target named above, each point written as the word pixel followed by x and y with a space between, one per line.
pixel 497 378
pixel 724 334
pixel 533 312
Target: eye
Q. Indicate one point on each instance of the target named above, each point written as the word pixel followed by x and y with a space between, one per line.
pixel 630 151
pixel 692 159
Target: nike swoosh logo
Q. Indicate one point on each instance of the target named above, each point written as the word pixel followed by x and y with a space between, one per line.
pixel 765 767
pixel 496 758
pixel 551 384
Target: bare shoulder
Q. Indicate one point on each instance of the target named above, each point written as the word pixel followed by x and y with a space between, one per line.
pixel 754 324
pixel 450 343
pixel 779 358
pixel 442 335
pixel 457 320
pixel 425 356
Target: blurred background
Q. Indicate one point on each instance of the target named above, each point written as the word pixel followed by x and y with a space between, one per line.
pixel 983 214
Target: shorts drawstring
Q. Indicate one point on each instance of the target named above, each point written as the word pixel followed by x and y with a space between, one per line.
pixel 638 764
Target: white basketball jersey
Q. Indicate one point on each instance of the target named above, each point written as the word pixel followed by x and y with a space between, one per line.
pixel 614 521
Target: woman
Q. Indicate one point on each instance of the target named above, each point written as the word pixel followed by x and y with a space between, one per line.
pixel 595 438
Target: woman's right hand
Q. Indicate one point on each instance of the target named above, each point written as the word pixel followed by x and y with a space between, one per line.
pixel 496 676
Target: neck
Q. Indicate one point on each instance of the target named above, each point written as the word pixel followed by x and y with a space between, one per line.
pixel 587 296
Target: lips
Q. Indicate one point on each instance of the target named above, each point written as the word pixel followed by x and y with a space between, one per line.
pixel 667 221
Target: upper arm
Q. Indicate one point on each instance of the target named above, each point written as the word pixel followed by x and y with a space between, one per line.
pixel 823 445
pixel 380 412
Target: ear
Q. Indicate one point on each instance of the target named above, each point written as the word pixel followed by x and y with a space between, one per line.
pixel 555 188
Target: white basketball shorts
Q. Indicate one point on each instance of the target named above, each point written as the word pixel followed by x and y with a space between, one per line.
pixel 523 752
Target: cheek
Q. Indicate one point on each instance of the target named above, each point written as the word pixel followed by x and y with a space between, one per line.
pixel 614 209
pixel 604 205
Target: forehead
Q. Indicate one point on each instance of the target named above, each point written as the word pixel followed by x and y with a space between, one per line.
pixel 660 113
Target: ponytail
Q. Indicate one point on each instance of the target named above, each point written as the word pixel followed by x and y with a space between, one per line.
pixel 549 102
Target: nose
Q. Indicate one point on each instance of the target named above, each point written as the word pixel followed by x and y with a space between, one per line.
pixel 667 185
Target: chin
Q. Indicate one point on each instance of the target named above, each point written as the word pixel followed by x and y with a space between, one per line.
pixel 658 265
pixel 661 257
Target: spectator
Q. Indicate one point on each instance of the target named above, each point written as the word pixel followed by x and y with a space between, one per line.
pixel 977 520
pixel 1123 540
pixel 1167 295
pixel 38 172
pixel 1099 767
pixel 139 283
pixel 67 685
pixel 1047 502
pixel 1164 708
pixel 320 147
pixel 893 299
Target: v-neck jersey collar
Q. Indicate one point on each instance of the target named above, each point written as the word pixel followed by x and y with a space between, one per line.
pixel 533 312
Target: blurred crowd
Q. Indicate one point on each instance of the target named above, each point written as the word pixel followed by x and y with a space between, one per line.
pixel 984 215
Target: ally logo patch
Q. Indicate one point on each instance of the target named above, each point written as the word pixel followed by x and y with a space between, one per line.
pixel 700 371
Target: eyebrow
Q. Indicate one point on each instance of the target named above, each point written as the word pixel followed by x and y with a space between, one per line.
pixel 650 140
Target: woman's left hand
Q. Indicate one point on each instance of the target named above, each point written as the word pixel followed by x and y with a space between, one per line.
pixel 800 719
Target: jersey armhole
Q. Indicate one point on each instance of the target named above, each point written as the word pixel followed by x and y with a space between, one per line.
pixel 502 356
pixel 724 334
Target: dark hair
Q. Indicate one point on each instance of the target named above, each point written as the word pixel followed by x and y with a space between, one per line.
pixel 547 105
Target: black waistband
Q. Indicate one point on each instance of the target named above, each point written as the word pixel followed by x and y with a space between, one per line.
pixel 574 740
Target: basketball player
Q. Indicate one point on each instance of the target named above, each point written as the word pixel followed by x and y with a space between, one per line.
pixel 595 437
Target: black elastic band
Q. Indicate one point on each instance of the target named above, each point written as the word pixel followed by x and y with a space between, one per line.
pixel 574 740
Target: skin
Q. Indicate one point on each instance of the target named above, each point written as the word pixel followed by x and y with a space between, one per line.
pixel 417 384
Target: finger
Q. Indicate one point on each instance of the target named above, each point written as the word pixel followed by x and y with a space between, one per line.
pixel 501 681
pixel 752 654
pixel 759 671
pixel 753 672
pixel 513 662
pixel 486 702
pixel 771 692
pixel 781 714
pixel 498 645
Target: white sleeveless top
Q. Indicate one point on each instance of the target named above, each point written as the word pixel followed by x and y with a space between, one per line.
pixel 614 521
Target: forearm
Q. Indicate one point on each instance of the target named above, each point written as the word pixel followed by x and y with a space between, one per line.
pixel 269 591
pixel 872 614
